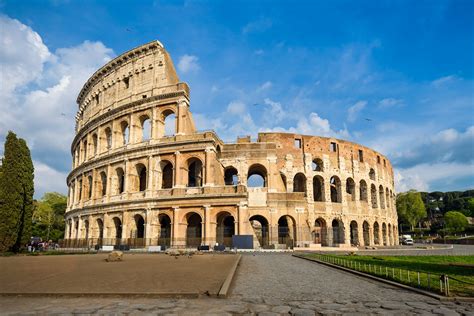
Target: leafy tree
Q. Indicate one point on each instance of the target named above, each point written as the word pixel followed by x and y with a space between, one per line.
pixel 410 207
pixel 470 205
pixel 16 194
pixel 48 217
pixel 455 221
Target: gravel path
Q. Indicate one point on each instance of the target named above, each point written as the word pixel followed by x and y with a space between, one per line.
pixel 266 284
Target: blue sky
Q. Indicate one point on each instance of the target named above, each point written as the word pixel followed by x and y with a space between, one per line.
pixel 311 67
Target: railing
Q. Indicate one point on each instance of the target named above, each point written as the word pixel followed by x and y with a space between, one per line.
pixel 433 282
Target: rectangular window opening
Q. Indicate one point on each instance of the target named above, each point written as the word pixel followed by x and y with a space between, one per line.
pixel 378 159
pixel 126 82
pixel 361 156
pixel 297 143
pixel 333 147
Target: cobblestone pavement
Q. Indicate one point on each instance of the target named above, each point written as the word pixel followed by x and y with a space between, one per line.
pixel 266 284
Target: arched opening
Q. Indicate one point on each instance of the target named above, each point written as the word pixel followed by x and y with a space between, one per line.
pixel 287 231
pixel 95 143
pixel 231 176
pixel 366 233
pixel 103 183
pixel 108 138
pixel 337 232
pixel 117 233
pixel 350 189
pixel 335 190
pixel 84 146
pixel 381 197
pixel 169 119
pixel 193 230
pixel 89 187
pixel 384 234
pixel 363 190
pixel 372 174
pixel 125 132
pixel 387 198
pixel 225 229
pixel 165 230
pixel 317 165
pixel 257 176
pixel 260 228
pixel 139 226
pixel 80 190
pixel 76 228
pixel 299 183
pixel 167 175
pixel 194 172
pixel 86 229
pixel 376 233
pixel 120 180
pixel 320 235
pixel 146 127
pixel 373 195
pixel 69 223
pixel 390 243
pixel 142 177
pixel 354 234
pixel 100 228
pixel 318 189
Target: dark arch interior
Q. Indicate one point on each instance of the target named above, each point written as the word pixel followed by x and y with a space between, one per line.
pixel 167 177
pixel 230 176
pixel 225 229
pixel 260 227
pixel 140 225
pixel 194 230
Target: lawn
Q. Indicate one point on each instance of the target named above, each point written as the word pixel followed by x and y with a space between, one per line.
pixel 404 269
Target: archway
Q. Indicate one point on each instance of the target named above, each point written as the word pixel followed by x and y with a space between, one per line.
pixel 140 226
pixel 384 234
pixel 86 228
pixel 231 176
pixel 299 183
pixel 366 233
pixel 100 227
pixel 193 230
pixel 373 195
pixel 287 231
pixel 350 189
pixel 337 232
pixel 142 177
pixel 376 233
pixel 169 119
pixel 257 176
pixel 320 232
pixel 260 228
pixel 335 184
pixel 167 175
pixel 317 165
pixel 117 230
pixel 225 229
pixel 164 239
pixel 354 234
pixel 194 172
pixel 318 189
pixel 363 190
pixel 390 242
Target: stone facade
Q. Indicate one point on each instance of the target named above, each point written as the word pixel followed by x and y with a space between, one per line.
pixel 133 183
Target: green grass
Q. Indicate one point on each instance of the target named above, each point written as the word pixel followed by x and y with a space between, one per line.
pixel 400 268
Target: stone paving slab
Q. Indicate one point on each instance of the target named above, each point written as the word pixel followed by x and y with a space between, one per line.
pixel 137 273
pixel 265 284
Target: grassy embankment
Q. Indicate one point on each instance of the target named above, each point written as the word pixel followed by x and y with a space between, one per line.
pixel 403 269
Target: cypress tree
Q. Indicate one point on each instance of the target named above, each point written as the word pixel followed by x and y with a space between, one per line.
pixel 16 194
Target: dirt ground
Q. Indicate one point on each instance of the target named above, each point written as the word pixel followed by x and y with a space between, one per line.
pixel 137 273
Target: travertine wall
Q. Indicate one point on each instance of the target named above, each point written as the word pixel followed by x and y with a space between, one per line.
pixel 131 181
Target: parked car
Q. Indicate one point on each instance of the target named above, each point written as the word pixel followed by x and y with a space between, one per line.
pixel 407 241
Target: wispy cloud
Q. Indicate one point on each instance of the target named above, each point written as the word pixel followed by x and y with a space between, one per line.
pixel 354 110
pixel 264 86
pixel 389 103
pixel 444 80
pixel 260 25
pixel 188 63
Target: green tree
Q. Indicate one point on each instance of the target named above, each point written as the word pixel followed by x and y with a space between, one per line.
pixel 48 217
pixel 470 205
pixel 16 194
pixel 455 221
pixel 410 207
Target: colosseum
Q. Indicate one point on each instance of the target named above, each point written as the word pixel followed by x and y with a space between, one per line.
pixel 143 176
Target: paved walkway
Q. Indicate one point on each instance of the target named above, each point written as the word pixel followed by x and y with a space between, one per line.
pixel 266 284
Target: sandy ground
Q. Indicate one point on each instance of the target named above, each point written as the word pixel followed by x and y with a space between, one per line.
pixel 137 273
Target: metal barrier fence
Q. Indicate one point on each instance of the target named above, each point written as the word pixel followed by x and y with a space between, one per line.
pixel 437 283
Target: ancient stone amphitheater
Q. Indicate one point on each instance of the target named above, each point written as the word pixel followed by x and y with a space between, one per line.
pixel 144 176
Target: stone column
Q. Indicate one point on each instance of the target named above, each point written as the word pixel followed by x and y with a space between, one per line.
pixel 176 241
pixel 207 234
pixel 148 227
pixel 271 173
pixel 208 174
pixel 149 187
pixel 108 189
pixel 126 176
pixel 347 234
pixel 182 109
pixel 178 181
pixel 242 214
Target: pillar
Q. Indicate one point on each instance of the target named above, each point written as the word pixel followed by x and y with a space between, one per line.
pixel 182 109
pixel 209 174
pixel 178 181
pixel 206 231
pixel 149 186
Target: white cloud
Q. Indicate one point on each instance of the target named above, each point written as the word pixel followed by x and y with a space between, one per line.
pixel 188 63
pixel 354 110
pixel 422 176
pixel 275 113
pixel 259 25
pixel 236 107
pixel 389 102
pixel 39 102
pixel 48 179
pixel 443 80
pixel 265 86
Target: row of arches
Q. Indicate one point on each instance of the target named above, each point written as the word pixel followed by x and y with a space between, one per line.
pixel 118 134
